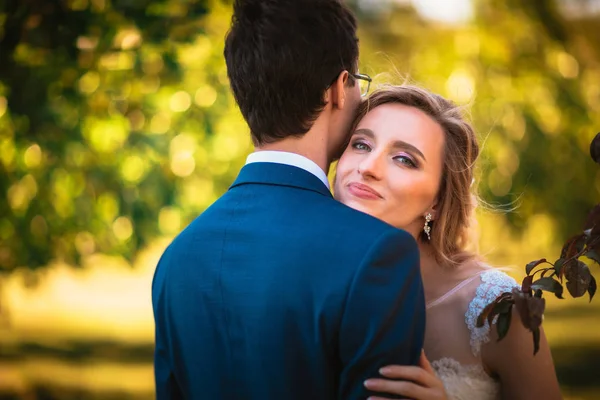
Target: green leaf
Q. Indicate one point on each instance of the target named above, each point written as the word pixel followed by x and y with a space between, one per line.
pixel 592 288
pixel 536 340
pixel 503 324
pixel 549 285
pixel 593 255
pixel 529 267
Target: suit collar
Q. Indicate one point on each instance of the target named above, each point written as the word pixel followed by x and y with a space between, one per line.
pixel 282 175
pixel 287 158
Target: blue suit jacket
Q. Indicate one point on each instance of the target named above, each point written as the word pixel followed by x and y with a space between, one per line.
pixel 277 291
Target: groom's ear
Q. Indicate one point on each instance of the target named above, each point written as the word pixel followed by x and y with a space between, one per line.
pixel 338 90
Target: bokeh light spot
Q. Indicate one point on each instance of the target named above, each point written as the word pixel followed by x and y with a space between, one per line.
pixel 89 82
pixel 460 86
pixel 169 220
pixel 85 243
pixel 205 96
pixel 3 105
pixel 183 163
pixel 180 101
pixel 33 156
pixel 122 228
pixel 160 123
pixel 567 65
pixel 133 169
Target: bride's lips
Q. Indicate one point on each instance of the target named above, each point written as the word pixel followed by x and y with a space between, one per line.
pixel 363 191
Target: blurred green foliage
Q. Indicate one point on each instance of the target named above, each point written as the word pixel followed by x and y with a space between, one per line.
pixel 108 121
pixel 117 125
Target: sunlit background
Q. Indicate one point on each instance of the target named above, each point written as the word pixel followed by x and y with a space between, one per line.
pixel 117 128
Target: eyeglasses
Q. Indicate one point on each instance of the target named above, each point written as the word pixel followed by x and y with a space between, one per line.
pixel 364 83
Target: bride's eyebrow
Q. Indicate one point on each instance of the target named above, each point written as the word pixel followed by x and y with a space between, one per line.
pixel 397 144
pixel 400 144
pixel 366 132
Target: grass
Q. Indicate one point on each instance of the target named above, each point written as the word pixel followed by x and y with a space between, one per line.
pixel 108 369
pixel 87 335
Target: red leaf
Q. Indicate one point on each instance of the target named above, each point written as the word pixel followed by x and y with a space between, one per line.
pixel 503 324
pixel 593 218
pixel 593 239
pixel 578 277
pixel 484 314
pixel 530 266
pixel 536 340
pixel 573 246
pixel 501 304
pixel 592 288
pixel 526 285
pixel 558 267
pixel 530 309
pixel 568 266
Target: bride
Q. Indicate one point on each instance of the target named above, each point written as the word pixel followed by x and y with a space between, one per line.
pixel 410 163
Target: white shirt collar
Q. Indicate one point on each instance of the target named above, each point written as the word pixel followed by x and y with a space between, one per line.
pixel 293 159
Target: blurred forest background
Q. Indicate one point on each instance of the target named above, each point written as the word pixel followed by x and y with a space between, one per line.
pixel 117 128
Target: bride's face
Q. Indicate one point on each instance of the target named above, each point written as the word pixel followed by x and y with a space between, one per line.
pixel 392 167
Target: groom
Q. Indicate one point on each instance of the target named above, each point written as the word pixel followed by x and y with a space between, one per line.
pixel 277 291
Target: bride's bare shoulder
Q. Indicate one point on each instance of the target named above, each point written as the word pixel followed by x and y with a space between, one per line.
pixel 478 268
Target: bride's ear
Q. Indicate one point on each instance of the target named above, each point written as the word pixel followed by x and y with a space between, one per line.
pixel 433 211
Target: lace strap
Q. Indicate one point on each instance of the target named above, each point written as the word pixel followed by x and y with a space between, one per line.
pixel 450 292
pixel 493 284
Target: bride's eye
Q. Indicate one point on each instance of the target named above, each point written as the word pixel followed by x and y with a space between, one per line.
pixel 406 160
pixel 361 146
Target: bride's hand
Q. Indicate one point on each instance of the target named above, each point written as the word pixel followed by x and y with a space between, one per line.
pixel 418 383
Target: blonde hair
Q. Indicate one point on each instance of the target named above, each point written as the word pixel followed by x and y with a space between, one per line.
pixel 451 236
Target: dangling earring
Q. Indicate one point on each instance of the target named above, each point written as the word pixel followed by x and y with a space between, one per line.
pixel 427 228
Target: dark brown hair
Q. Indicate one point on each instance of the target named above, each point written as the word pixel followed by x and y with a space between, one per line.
pixel 281 56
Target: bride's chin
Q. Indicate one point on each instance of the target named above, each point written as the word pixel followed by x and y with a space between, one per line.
pixel 350 203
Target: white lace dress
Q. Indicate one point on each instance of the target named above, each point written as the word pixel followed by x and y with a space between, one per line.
pixel 453 342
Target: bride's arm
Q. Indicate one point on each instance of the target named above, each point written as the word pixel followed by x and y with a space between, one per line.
pixel 522 375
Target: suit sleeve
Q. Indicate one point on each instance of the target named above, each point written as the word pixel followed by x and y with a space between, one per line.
pixel 383 321
pixel 165 383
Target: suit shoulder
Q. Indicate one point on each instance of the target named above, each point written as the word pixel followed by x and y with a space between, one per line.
pixel 361 224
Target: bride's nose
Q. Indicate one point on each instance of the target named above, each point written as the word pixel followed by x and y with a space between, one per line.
pixel 371 166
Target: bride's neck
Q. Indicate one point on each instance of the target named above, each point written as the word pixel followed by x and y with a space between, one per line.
pixel 435 276
pixel 429 265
